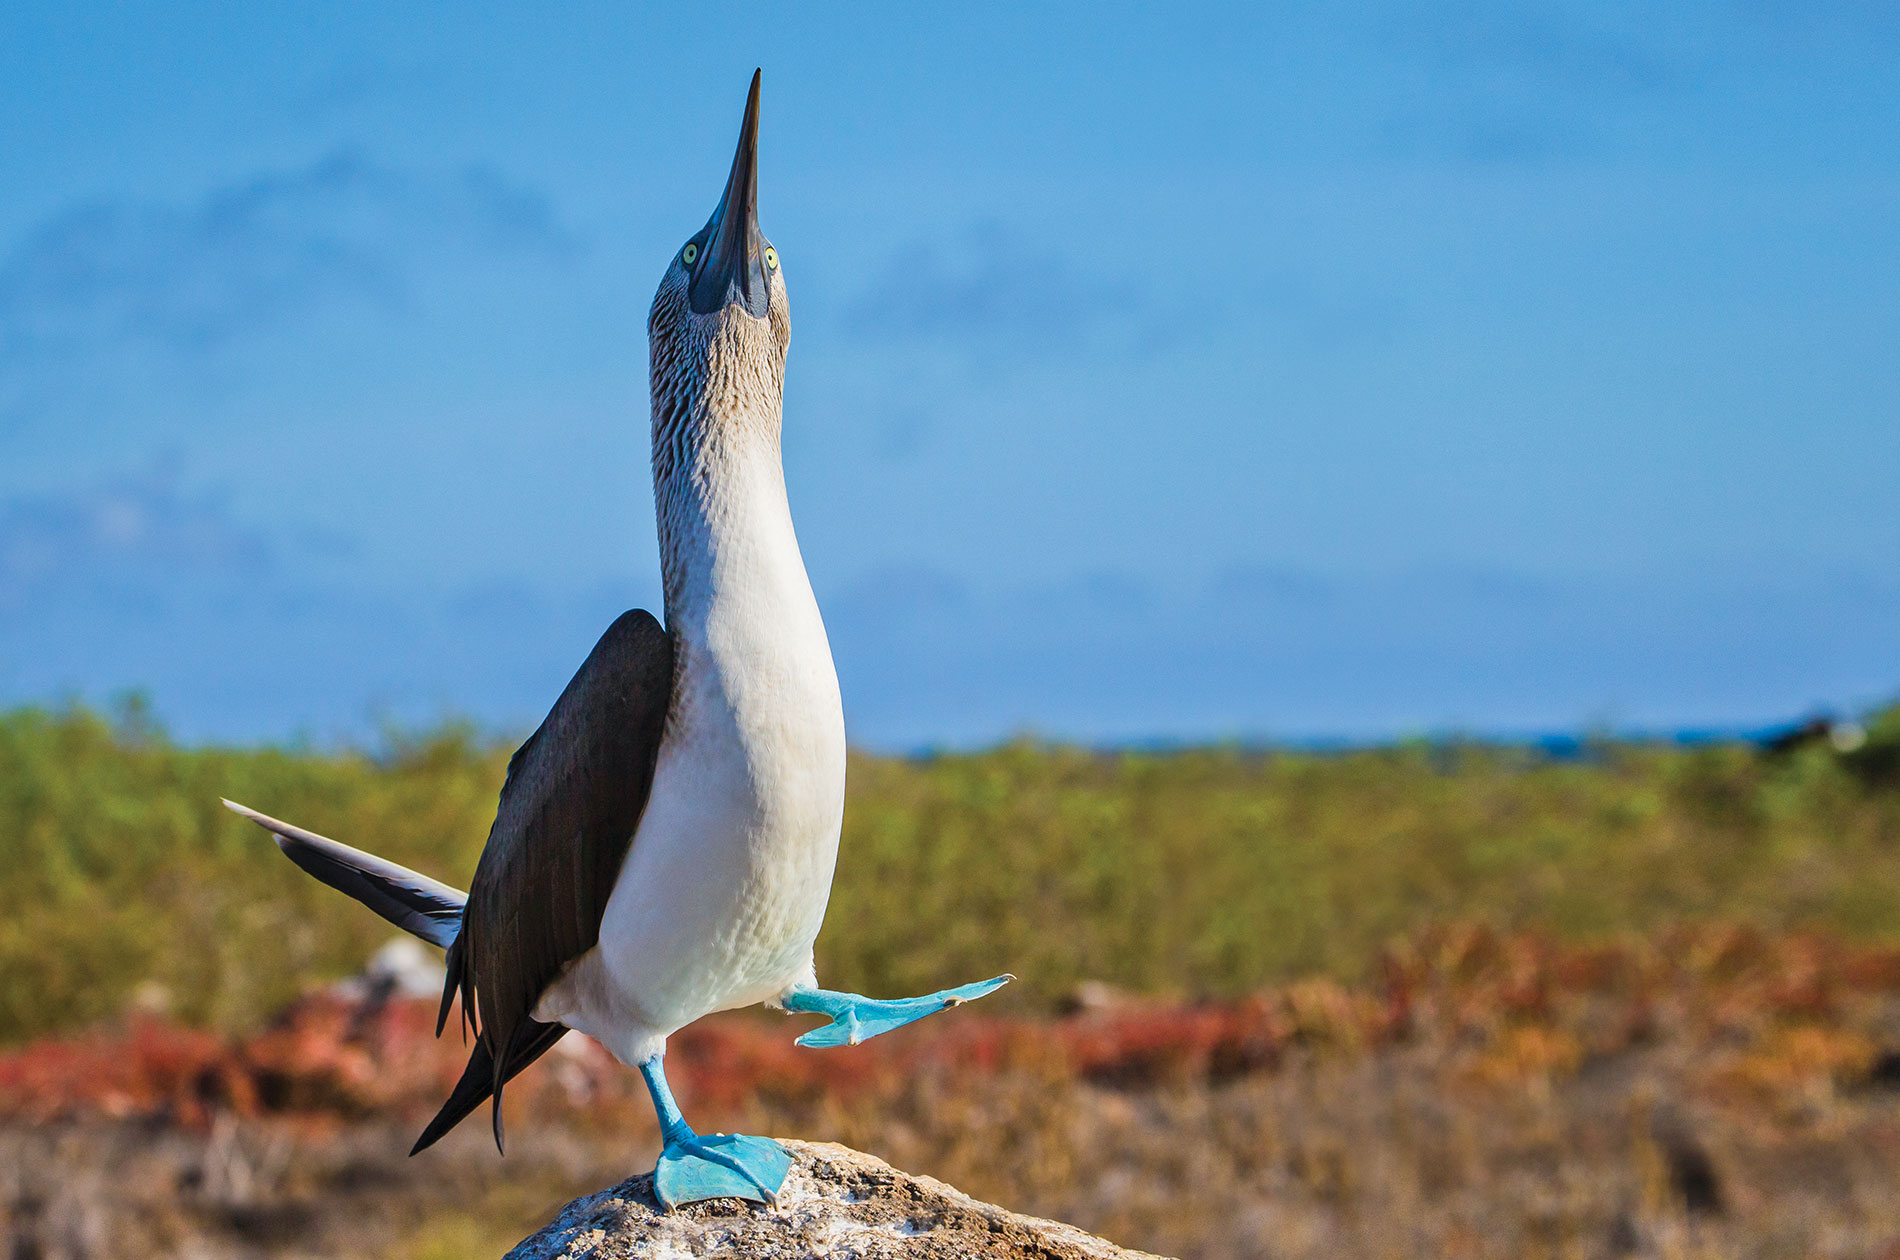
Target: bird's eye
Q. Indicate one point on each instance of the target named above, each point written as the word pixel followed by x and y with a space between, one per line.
pixel 689 253
pixel 771 259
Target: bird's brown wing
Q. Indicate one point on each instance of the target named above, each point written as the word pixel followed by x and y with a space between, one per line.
pixel 574 794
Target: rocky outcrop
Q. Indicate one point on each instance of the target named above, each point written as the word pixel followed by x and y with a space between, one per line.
pixel 837 1204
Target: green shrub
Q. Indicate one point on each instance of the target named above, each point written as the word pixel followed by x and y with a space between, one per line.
pixel 1208 871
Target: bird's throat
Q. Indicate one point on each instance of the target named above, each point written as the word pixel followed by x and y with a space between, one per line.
pixel 725 525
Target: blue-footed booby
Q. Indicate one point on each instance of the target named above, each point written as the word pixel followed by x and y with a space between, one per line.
pixel 665 841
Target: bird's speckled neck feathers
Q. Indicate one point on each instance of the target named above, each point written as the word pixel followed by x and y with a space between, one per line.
pixel 718 385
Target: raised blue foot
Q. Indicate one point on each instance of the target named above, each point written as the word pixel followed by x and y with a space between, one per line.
pixel 715 1166
pixel 855 1018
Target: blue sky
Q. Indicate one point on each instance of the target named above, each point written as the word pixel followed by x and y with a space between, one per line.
pixel 1176 372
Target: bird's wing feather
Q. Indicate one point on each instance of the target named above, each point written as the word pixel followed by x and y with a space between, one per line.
pixel 574 795
pixel 412 901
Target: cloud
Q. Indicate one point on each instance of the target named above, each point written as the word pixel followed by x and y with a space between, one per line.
pixel 139 582
pixel 1539 48
pixel 996 302
pixel 132 536
pixel 345 86
pixel 1516 84
pixel 987 290
pixel 1254 586
pixel 104 278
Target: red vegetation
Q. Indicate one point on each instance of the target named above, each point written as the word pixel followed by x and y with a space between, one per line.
pixel 1774 1013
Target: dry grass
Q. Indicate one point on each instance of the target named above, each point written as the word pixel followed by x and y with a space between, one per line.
pixel 1709 1093
pixel 1666 1024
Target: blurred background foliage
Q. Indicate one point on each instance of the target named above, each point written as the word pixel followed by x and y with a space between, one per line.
pixel 1192 872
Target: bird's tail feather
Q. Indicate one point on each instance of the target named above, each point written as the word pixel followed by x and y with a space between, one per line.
pixel 479 1081
pixel 433 911
pixel 411 901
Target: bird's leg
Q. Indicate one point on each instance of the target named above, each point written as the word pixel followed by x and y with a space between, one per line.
pixel 715 1166
pixel 855 1018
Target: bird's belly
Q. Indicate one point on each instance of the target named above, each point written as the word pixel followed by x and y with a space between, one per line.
pixel 725 885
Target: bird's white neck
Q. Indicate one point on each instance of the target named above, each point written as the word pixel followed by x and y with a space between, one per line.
pixel 725 524
pixel 756 695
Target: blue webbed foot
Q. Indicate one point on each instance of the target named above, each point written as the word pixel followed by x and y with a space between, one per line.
pixel 855 1018
pixel 719 1166
pixel 713 1166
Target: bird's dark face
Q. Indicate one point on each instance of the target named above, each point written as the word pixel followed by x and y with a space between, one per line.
pixel 721 312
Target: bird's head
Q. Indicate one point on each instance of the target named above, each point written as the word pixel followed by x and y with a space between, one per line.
pixel 720 324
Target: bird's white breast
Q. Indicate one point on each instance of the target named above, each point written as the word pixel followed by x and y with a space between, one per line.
pixel 725 885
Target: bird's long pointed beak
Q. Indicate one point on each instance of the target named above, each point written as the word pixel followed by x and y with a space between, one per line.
pixel 731 270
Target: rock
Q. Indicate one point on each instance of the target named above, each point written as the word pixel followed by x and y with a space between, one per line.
pixel 837 1203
